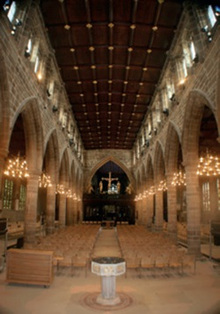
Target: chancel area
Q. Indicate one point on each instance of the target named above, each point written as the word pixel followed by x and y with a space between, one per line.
pixel 109 156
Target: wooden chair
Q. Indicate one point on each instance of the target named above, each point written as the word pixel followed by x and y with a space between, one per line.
pixel 133 263
pixel 162 264
pixel 147 264
pixel 80 262
pixel 189 264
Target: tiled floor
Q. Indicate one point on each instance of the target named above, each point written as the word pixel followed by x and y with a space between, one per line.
pixel 191 294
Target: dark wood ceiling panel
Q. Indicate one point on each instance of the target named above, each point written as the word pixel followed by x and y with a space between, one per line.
pixel 75 11
pixel 59 36
pixel 53 7
pixel 117 86
pixel 151 75
pixel 170 14
pixel 121 35
pixel 138 56
pixel 88 97
pixel 83 56
pixel 142 35
pixel 118 72
pixel 110 54
pixel 80 36
pixel 146 11
pixel 135 74
pixel 68 74
pixel 156 58
pixel 159 42
pixel 85 73
pixel 120 55
pixel 103 98
pixel 72 86
pixel 101 55
pixel 122 10
pixel 99 10
pixel 100 34
pixel 102 72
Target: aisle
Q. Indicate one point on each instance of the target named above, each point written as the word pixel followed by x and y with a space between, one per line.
pixel 106 244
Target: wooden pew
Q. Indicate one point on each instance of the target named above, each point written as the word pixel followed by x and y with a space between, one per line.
pixel 29 267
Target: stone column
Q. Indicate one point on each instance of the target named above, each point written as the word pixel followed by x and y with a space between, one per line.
pixel 31 209
pixel 150 205
pixel 50 209
pixel 159 211
pixel 69 211
pixel 172 207
pixel 144 211
pixel 62 210
pixel 193 201
pixel 79 211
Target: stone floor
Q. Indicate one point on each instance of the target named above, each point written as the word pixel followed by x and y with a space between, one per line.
pixel 186 294
pixel 191 294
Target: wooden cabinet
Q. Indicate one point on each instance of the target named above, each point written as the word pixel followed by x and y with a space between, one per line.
pixel 29 267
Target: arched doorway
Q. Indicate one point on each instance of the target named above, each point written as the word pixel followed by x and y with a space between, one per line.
pixel 109 196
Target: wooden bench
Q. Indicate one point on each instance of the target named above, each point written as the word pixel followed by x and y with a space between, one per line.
pixel 29 267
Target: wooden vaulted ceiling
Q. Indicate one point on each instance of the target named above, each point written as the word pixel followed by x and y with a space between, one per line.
pixel 110 54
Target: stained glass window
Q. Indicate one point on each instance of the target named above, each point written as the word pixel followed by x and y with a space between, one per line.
pixel 8 194
pixel 205 196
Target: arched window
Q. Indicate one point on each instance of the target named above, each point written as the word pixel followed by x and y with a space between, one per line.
pixel 8 194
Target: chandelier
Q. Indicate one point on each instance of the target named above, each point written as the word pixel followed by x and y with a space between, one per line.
pixel 44 181
pixel 60 189
pixel 69 194
pixel 208 166
pixel 179 178
pixel 151 190
pixel 138 197
pixel 162 186
pixel 17 168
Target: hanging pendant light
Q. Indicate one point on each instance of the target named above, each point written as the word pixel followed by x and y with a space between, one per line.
pixel 44 181
pixel 179 178
pixel 16 167
pixel 209 165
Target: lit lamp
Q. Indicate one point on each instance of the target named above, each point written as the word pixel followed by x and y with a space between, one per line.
pixel 208 166
pixel 17 168
pixel 151 190
pixel 179 178
pixel 44 181
pixel 162 186
pixel 60 189
pixel 69 194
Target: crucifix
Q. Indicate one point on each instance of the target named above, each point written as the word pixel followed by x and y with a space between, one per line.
pixel 110 179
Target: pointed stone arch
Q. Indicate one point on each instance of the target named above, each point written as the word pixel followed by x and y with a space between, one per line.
pixel 159 164
pixel 64 169
pixel 33 134
pixel 116 161
pixel 191 131
pixel 192 121
pixel 172 149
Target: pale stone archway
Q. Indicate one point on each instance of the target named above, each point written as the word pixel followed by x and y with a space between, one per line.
pixel 104 161
pixel 52 169
pixel 194 112
pixel 171 162
pixel 32 123
pixel 63 206
pixel 159 174
pixel 150 196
